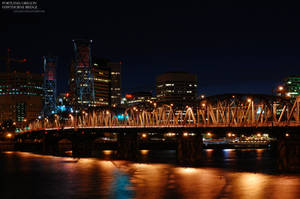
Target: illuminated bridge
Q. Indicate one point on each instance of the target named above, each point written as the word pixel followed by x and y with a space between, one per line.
pixel 218 115
pixel 232 111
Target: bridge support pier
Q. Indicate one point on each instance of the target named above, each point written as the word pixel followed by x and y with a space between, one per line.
pixel 49 145
pixel 82 147
pixel 288 150
pixel 189 149
pixel 127 146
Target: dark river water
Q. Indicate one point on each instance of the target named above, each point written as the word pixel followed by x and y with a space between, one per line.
pixel 225 173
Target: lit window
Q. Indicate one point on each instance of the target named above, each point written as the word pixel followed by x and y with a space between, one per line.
pixel 169 84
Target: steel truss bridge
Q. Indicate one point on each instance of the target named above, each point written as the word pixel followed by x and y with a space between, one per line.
pixel 81 133
pixel 233 111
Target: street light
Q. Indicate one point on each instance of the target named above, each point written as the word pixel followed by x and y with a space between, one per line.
pixel 258 135
pixel 280 88
pixel 287 135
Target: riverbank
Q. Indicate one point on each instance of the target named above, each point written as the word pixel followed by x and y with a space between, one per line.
pixel 7 146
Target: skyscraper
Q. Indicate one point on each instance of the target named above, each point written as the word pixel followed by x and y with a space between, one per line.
pixel 102 83
pixel 107 82
pixel 49 85
pixel 81 81
pixel 115 68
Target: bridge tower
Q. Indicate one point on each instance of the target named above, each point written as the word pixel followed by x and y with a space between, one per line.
pixel 49 85
pixel 82 77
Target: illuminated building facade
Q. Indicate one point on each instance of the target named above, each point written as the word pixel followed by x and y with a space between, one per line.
pixel 115 68
pixel 81 81
pixel 63 103
pixel 107 82
pixel 20 97
pixel 290 88
pixel 142 100
pixel 49 85
pixel 177 88
pixel 102 83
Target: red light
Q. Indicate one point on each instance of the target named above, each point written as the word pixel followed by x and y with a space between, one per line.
pixel 24 60
pixel 129 96
pixel 67 94
pixel 121 62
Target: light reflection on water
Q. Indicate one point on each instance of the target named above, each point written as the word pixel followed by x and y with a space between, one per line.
pixel 41 176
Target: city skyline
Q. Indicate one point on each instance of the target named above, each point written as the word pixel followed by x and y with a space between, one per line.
pixel 107 99
pixel 209 90
pixel 251 53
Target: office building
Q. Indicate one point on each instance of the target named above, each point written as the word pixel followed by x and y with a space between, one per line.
pixel 177 88
pixel 63 103
pixel 49 85
pixel 115 68
pixel 107 82
pixel 290 88
pixel 142 100
pixel 102 83
pixel 20 97
pixel 81 82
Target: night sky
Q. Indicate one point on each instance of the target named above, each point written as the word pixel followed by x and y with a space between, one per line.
pixel 232 47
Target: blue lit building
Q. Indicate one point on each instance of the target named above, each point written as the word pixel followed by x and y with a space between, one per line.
pixel 63 103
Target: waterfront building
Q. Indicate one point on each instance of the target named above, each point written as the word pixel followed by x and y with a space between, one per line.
pixel 177 88
pixel 20 97
pixel 63 103
pixel 290 88
pixel 102 83
pixel 141 100
pixel 49 85
pixel 107 82
pixel 81 82
pixel 116 71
